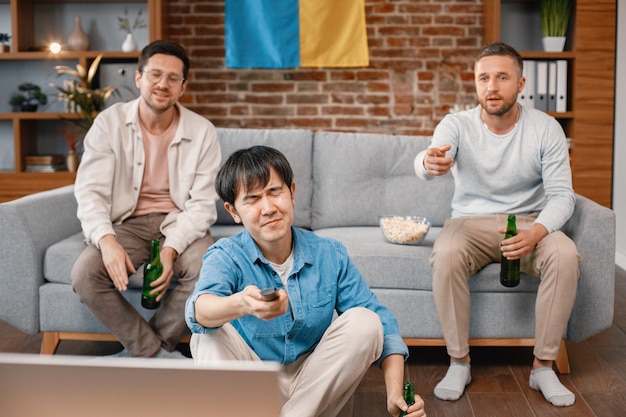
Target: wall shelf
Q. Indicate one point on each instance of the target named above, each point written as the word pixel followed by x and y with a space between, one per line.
pixel 590 52
pixel 34 133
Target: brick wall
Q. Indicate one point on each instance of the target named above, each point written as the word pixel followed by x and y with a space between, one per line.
pixel 421 57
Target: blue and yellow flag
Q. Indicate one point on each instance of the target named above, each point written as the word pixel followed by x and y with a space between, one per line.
pixel 295 33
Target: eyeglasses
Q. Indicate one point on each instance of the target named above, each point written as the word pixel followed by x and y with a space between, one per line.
pixel 155 76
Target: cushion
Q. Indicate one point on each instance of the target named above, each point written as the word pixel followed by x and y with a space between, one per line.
pixel 60 257
pixel 386 265
pixel 295 144
pixel 360 176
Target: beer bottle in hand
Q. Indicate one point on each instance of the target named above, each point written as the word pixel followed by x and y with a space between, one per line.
pixel 409 396
pixel 151 272
pixel 509 270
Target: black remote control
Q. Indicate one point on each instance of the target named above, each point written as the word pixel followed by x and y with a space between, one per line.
pixel 269 294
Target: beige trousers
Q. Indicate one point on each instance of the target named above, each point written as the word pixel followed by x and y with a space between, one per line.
pixel 467 244
pixel 320 382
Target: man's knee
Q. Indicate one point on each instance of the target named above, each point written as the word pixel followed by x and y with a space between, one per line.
pixel 364 324
pixel 83 271
pixel 560 250
pixel 189 263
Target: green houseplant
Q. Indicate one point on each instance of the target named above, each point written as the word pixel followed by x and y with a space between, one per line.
pixel 125 25
pixel 31 98
pixel 5 38
pixel 554 20
pixel 80 93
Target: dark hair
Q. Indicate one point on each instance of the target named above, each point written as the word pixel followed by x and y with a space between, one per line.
pixel 502 49
pixel 250 168
pixel 166 48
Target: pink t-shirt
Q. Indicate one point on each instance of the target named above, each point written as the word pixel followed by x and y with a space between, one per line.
pixel 154 196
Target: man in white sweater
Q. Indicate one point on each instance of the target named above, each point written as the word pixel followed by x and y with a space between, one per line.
pixel 505 158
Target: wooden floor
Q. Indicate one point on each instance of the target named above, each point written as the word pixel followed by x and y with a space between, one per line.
pixel 500 375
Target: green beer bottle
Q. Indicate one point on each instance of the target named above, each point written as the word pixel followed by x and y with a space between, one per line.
pixel 509 270
pixel 409 396
pixel 151 272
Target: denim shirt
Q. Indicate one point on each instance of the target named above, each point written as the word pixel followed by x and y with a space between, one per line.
pixel 323 280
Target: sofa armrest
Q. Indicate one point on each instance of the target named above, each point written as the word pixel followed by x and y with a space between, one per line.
pixel 29 226
pixel 592 228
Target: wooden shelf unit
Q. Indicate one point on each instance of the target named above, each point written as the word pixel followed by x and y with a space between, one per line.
pixel 16 182
pixel 590 119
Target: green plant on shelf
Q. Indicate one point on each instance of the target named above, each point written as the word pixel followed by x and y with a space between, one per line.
pixel 125 25
pixel 5 38
pixel 30 100
pixel 554 17
pixel 79 93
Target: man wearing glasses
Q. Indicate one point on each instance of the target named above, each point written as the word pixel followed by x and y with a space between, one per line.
pixel 148 172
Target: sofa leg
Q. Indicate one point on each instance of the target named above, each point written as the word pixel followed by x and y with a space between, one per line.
pixel 50 343
pixel 561 363
pixel 562 360
pixel 51 340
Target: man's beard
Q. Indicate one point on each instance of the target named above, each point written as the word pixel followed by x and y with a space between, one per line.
pixel 498 111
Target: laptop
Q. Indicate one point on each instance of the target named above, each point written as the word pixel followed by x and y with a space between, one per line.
pixel 80 386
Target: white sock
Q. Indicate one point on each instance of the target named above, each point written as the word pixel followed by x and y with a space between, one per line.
pixel 545 380
pixel 451 387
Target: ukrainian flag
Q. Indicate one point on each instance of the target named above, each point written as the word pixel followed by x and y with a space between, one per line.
pixel 295 33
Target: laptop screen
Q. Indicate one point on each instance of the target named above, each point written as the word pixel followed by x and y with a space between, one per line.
pixel 72 386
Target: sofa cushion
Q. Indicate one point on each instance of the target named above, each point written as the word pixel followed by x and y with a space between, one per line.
pixel 359 176
pixel 295 144
pixel 386 265
pixel 60 257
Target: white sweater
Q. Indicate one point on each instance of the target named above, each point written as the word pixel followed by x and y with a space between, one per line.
pixel 524 171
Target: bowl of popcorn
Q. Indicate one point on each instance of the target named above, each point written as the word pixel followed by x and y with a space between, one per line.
pixel 404 230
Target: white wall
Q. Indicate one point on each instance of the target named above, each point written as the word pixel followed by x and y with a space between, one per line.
pixel 619 169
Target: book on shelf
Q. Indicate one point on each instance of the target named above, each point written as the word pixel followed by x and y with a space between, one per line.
pixel 552 85
pixel 527 96
pixel 45 168
pixel 44 163
pixel 561 85
pixel 546 85
pixel 44 159
pixel 541 93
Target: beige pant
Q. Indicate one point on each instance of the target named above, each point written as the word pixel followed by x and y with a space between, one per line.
pixel 467 244
pixel 320 382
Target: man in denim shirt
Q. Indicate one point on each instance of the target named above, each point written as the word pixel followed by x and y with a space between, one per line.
pixel 324 359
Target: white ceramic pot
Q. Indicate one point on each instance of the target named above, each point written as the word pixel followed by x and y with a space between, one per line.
pixel 553 43
pixel 129 44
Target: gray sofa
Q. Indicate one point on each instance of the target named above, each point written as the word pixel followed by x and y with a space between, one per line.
pixel 343 182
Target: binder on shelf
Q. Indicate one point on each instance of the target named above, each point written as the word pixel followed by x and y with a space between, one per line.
pixel 561 86
pixel 552 85
pixel 541 97
pixel 527 96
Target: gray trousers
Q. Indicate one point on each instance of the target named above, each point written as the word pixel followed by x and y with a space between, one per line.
pixel 467 244
pixel 91 282
pixel 321 382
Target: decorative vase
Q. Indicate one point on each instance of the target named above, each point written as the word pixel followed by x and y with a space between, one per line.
pixel 553 43
pixel 78 39
pixel 5 48
pixel 71 160
pixel 129 44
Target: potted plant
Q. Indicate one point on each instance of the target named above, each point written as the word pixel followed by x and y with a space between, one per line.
pixel 80 93
pixel 129 44
pixel 554 20
pixel 4 41
pixel 30 100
